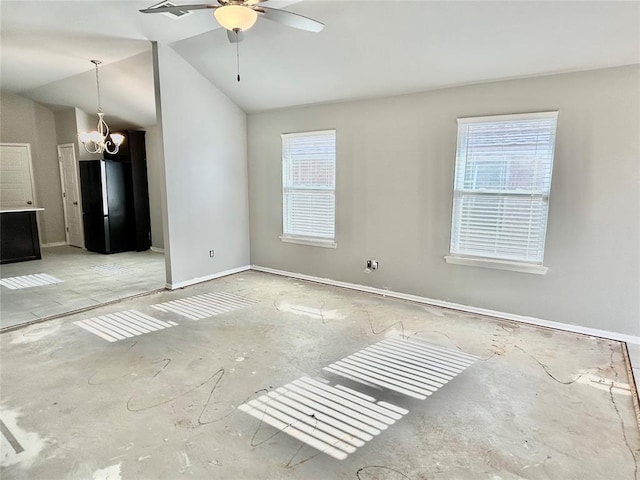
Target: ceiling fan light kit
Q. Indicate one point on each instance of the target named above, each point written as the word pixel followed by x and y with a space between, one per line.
pixel 236 17
pixel 241 14
pixel 100 140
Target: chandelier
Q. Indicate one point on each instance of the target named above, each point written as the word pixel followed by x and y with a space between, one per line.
pixel 99 140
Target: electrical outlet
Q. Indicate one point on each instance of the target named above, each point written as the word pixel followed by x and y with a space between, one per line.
pixel 211 253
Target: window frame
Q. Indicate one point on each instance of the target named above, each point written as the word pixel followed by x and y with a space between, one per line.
pixel 308 240
pixel 520 265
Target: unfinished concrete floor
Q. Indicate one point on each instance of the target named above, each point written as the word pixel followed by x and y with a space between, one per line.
pixel 537 404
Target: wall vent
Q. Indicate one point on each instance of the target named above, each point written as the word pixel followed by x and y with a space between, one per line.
pixel 173 15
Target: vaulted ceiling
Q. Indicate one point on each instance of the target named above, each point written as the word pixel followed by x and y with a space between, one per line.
pixel 368 49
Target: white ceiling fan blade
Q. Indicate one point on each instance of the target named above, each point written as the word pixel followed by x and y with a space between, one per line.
pixel 180 8
pixel 235 37
pixel 291 19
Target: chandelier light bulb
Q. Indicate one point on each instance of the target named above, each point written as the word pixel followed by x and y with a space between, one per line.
pixel 117 138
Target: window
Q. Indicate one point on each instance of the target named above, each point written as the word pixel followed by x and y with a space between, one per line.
pixel 308 188
pixel 501 191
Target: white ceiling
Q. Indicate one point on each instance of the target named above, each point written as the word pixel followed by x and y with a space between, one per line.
pixel 45 41
pixel 376 48
pixel 46 48
pixel 368 49
pixel 126 91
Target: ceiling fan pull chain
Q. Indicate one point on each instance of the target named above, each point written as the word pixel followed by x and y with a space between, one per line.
pixel 237 52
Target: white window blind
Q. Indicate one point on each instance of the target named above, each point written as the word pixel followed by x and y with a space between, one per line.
pixel 308 180
pixel 501 187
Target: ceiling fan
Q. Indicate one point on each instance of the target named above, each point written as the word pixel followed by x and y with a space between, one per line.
pixel 239 15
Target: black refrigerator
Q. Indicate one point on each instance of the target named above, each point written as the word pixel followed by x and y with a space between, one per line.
pixel 105 206
pixel 115 199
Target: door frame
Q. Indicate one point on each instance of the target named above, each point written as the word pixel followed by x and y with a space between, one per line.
pixel 36 203
pixel 63 189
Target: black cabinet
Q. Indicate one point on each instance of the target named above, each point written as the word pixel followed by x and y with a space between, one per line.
pixel 115 199
pixel 19 237
pixel 135 146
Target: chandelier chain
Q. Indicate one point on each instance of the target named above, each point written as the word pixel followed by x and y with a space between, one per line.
pixel 96 63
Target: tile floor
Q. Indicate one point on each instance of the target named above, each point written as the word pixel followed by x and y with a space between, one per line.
pixel 88 279
pixel 244 394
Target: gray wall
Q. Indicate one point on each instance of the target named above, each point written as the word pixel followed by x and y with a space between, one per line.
pixel 67 131
pixel 66 128
pixel 17 119
pixel 204 145
pixel 395 163
pixel 24 121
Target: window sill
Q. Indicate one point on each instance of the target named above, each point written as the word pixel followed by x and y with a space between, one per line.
pixel 310 242
pixel 497 264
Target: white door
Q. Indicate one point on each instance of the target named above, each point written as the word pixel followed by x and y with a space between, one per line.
pixel 16 176
pixel 71 195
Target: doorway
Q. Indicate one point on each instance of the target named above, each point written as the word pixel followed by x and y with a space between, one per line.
pixel 71 195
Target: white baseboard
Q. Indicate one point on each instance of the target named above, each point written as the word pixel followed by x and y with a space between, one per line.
pixel 156 249
pixel 53 244
pixel 593 332
pixel 193 281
